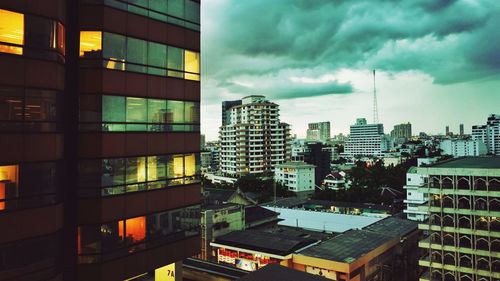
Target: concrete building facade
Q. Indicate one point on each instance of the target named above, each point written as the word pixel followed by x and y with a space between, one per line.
pixel 489 134
pixel 365 140
pixel 255 140
pixel 319 131
pixel 296 176
pixel 462 147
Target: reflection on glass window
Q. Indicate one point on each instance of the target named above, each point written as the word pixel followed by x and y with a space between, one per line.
pixel 175 61
pixel 90 44
pixel 175 112
pixel 114 49
pixel 140 114
pixel 11 32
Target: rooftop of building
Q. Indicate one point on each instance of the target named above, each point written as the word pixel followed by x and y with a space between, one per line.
pixel 219 206
pixel 274 272
pixel 295 164
pixel 355 243
pixel 485 162
pixel 279 241
pixel 294 202
pixel 258 213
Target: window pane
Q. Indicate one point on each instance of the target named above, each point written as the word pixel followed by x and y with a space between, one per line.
pixel 135 229
pixel 136 53
pixel 90 44
pixel 9 181
pixel 136 169
pixel 11 104
pixel 158 5
pixel 192 112
pixel 157 110
pixel 38 178
pixel 192 11
pixel 157 54
pixel 176 8
pixel 157 168
pixel 114 46
pixel 175 168
pixel 192 62
pixel 11 31
pixel 40 105
pixel 40 33
pixel 89 239
pixel 113 172
pixel 113 109
pixel 112 236
pixel 190 165
pixel 61 39
pixel 137 112
pixel 175 111
pixel 175 58
pixel 141 7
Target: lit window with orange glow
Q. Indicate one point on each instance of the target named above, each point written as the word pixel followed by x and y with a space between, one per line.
pixel 90 44
pixel 11 32
pixel 135 229
pixel 192 65
pixel 8 184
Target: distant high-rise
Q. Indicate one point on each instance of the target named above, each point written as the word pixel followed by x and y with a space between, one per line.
pixel 447 131
pixel 461 129
pixel 402 131
pixel 319 131
pixel 226 112
pixel 254 140
pixel 489 134
pixel 365 140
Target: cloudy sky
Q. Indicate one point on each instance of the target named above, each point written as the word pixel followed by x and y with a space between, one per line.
pixel 437 61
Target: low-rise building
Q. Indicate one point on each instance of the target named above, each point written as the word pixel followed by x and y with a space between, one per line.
pixel 335 181
pixel 217 220
pixel 385 250
pixel 296 176
pixel 252 249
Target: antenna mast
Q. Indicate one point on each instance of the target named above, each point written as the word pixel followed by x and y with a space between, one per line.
pixel 375 106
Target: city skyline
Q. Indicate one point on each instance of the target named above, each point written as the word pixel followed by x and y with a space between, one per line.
pixel 315 59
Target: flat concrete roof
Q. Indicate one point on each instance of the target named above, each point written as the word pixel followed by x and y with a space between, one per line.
pixel 278 272
pixel 488 162
pixel 355 243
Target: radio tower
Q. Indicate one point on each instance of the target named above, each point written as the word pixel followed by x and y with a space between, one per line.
pixel 375 106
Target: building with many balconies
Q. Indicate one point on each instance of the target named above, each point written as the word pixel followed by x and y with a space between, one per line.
pixel 464 219
pixel 255 140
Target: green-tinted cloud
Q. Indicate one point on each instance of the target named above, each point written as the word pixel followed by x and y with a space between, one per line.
pixel 248 44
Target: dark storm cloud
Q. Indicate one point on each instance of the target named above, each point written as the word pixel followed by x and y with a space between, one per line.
pixel 254 40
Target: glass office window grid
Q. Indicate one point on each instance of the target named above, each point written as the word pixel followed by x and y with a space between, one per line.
pixel 125 114
pixel 33 36
pixel 97 243
pixel 185 13
pixel 123 53
pixel 29 110
pixel 124 175
pixel 28 185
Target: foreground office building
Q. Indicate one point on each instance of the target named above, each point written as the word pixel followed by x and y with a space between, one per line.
pixel 99 138
pixel 464 220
